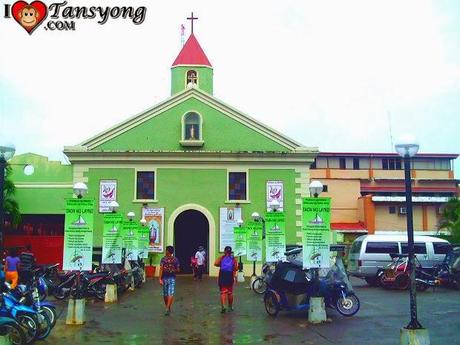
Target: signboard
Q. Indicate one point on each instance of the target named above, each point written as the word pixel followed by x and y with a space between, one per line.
pixel 155 224
pixel 107 194
pixel 254 241
pixel 275 191
pixel 112 238
pixel 275 236
pixel 78 235
pixel 143 241
pixel 130 239
pixel 240 241
pixel 228 221
pixel 316 228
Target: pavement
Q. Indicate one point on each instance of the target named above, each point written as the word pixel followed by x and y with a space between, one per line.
pixel 138 319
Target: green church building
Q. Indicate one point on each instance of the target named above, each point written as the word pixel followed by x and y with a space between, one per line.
pixel 189 161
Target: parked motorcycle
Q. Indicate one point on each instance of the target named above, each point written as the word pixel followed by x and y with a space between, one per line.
pixel 90 285
pixel 259 285
pixel 9 326
pixel 449 271
pixel 137 272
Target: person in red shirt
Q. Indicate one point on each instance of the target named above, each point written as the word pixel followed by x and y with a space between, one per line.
pixel 227 272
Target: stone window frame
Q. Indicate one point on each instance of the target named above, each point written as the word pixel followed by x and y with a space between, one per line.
pixel 188 142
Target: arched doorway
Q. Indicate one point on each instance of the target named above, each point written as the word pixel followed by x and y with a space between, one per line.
pixel 191 229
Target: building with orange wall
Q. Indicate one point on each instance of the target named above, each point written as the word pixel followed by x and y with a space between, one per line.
pixel 367 191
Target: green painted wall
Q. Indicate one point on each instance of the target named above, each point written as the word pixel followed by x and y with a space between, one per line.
pixel 178 78
pixel 42 200
pixel 45 171
pixel 163 133
pixel 176 187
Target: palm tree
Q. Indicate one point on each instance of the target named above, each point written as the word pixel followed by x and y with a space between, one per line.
pixel 450 218
pixel 10 205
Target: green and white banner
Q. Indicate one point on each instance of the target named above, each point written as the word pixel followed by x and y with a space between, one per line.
pixel 143 241
pixel 254 241
pixel 316 228
pixel 275 236
pixel 130 241
pixel 112 238
pixel 78 235
pixel 240 241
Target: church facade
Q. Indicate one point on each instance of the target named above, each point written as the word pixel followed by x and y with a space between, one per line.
pixel 191 156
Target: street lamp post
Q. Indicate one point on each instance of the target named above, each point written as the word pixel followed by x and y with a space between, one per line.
pixel 407 147
pixel 240 274
pixel 6 153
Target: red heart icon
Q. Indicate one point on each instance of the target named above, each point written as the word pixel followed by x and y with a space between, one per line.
pixel 29 16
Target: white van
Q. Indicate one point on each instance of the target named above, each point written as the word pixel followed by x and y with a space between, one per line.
pixel 369 254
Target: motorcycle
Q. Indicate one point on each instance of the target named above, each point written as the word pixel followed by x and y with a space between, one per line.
pixel 9 326
pixel 90 285
pixel 449 271
pixel 138 273
pixel 259 285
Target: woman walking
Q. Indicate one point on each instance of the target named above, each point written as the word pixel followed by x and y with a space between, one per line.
pixel 227 272
pixel 11 268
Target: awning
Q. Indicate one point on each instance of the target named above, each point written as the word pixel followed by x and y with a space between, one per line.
pixel 352 228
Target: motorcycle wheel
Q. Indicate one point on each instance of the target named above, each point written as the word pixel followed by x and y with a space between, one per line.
pixel 100 291
pixel 51 313
pixel 272 306
pixel 17 335
pixel 259 286
pixel 60 294
pixel 29 326
pixel 348 306
pixel 402 282
pixel 44 326
pixel 383 282
pixel 419 286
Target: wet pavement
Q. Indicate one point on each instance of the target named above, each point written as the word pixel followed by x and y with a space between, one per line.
pixel 138 318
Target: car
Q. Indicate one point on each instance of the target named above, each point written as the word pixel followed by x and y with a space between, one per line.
pixel 370 254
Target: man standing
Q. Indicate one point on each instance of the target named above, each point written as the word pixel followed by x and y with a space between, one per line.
pixel 227 272
pixel 169 266
pixel 200 257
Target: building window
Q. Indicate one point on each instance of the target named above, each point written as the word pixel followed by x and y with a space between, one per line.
pixel 391 164
pixel 192 77
pixel 192 126
pixel 145 185
pixel 237 186
pixel 356 163
pixel 342 163
pixel 392 209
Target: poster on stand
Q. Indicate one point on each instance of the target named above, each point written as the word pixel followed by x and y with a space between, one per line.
pixel 275 191
pixel 78 235
pixel 155 224
pixel 112 237
pixel 316 228
pixel 130 239
pixel 107 194
pixel 143 241
pixel 240 241
pixel 228 221
pixel 254 241
pixel 275 236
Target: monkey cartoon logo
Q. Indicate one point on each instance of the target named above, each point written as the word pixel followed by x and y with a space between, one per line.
pixel 29 16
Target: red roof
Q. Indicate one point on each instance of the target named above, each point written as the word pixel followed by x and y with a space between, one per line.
pixel 348 226
pixel 192 54
pixel 389 154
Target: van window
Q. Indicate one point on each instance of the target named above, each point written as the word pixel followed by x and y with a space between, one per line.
pixel 356 247
pixel 441 247
pixel 382 247
pixel 419 248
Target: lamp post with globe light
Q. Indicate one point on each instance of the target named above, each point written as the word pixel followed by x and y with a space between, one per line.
pixel 414 333
pixel 6 153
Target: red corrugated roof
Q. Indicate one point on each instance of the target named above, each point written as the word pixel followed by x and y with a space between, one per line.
pixel 348 226
pixel 192 54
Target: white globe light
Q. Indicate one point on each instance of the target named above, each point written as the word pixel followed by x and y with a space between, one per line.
pixel 80 189
pixel 113 206
pixel 407 145
pixel 316 188
pixel 29 170
pixel 143 222
pixel 131 215
pixel 255 216
pixel 239 222
pixel 7 151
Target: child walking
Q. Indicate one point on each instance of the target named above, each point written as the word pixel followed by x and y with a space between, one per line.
pixel 169 266
pixel 228 267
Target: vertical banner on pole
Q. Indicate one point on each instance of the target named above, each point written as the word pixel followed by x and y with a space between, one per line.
pixel 112 238
pixel 316 228
pixel 78 235
pixel 254 241
pixel 240 241
pixel 130 239
pixel 275 236
pixel 143 241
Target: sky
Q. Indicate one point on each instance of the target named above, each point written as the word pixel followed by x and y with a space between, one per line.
pixel 337 75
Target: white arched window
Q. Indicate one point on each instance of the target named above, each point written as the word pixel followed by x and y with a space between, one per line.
pixel 192 130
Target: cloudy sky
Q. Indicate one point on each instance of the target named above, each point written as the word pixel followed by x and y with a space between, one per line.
pixel 334 74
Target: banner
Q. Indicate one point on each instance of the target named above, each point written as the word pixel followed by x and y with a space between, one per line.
pixel 275 191
pixel 155 224
pixel 316 228
pixel 112 238
pixel 275 236
pixel 107 193
pixel 130 239
pixel 228 221
pixel 78 235
pixel 254 241
pixel 240 241
pixel 143 241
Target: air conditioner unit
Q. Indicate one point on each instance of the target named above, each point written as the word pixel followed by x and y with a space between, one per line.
pixel 402 210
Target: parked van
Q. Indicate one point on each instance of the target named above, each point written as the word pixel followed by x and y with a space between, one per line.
pixel 369 254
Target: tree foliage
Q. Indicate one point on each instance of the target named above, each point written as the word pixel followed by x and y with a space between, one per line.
pixel 450 218
pixel 10 205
